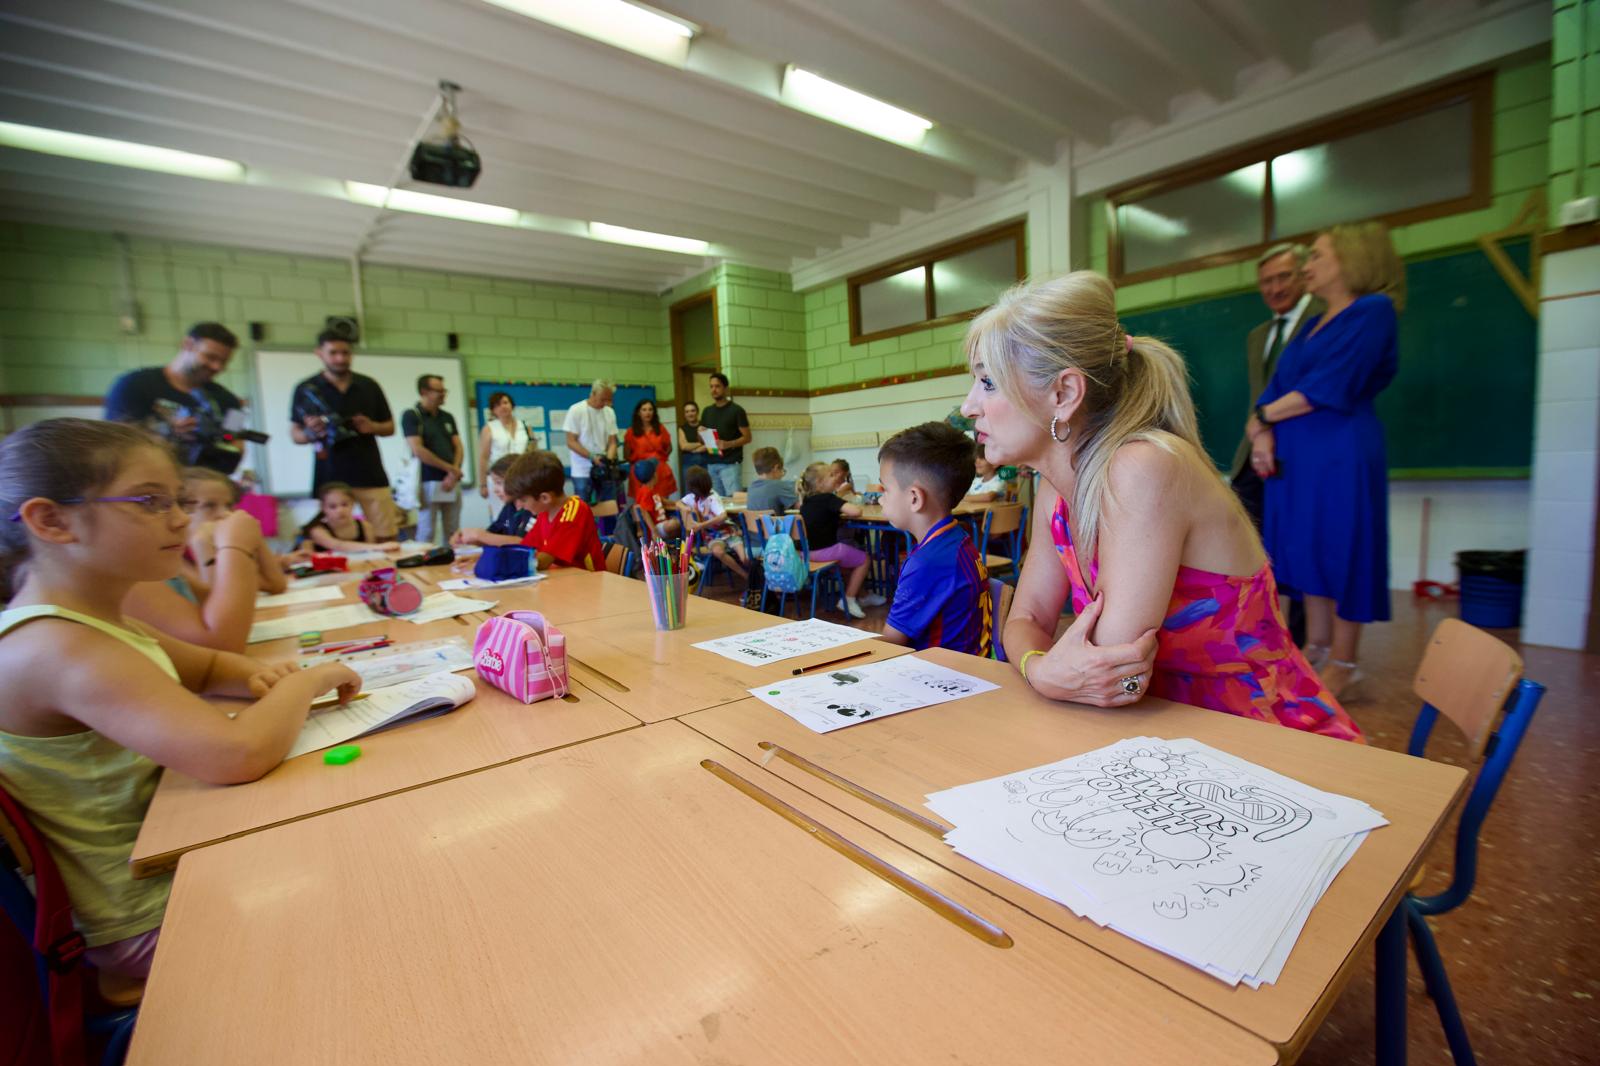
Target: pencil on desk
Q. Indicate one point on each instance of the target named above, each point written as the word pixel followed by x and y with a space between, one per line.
pixel 797 671
pixel 333 698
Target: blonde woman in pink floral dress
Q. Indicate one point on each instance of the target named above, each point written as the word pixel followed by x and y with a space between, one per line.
pixel 1173 593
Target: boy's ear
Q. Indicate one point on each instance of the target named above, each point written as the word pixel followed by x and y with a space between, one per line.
pixel 47 520
pixel 917 496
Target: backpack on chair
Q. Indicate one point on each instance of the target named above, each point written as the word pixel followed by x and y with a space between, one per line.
pixel 781 564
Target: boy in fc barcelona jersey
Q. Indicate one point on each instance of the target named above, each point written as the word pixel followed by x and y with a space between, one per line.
pixel 563 530
pixel 942 598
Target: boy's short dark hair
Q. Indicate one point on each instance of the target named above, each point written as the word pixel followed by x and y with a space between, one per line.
pixel 213 331
pixel 328 336
pixel 697 479
pixel 717 375
pixel 503 465
pixel 534 474
pixel 766 460
pixel 934 455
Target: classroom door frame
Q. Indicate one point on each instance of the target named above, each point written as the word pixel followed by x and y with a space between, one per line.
pixel 683 370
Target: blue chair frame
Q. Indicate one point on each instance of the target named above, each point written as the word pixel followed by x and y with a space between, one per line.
pixel 1014 537
pixel 772 526
pixel 1410 916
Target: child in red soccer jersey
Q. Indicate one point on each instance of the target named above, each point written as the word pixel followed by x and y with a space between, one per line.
pixel 563 530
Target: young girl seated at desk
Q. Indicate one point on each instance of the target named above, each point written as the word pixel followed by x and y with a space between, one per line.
pixel 210 497
pixel 96 703
pixel 705 522
pixel 336 527
pixel 821 508
pixel 510 525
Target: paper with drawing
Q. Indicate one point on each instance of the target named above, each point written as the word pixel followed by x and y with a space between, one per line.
pixel 828 701
pixel 1185 848
pixel 777 643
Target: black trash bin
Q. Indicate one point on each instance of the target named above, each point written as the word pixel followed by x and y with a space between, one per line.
pixel 1491 587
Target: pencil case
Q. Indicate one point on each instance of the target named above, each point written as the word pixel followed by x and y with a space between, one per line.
pixel 502 562
pixel 385 593
pixel 431 557
pixel 522 655
pixel 329 562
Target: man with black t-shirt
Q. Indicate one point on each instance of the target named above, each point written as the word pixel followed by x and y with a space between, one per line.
pixel 183 402
pixel 341 413
pixel 733 432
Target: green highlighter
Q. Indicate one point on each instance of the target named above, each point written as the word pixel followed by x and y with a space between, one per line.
pixel 344 753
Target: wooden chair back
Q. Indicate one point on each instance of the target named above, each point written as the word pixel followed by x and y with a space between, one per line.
pixel 1004 519
pixel 1467 675
pixel 617 559
pixel 605 509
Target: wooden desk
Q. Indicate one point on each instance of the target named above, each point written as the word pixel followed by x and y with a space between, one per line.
pixel 905 757
pixel 492 729
pixel 615 902
pixel 656 675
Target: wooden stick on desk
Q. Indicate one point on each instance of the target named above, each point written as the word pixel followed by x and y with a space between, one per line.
pixel 931 898
pixel 883 803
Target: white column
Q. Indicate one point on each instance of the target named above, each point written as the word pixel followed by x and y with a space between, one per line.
pixel 1566 438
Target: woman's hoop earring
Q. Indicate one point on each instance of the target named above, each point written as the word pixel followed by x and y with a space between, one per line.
pixel 1059 440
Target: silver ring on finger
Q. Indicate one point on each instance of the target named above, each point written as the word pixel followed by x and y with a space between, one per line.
pixel 1130 684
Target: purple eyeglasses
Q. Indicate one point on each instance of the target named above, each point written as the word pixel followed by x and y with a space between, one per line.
pixel 152 502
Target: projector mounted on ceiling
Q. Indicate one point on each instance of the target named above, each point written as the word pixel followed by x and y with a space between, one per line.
pixel 451 161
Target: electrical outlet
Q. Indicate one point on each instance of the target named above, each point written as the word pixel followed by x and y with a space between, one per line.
pixel 1577 212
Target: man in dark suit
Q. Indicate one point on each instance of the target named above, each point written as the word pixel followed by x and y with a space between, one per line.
pixel 1283 288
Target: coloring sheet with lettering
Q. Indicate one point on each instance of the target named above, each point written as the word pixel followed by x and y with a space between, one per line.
pixel 777 643
pixel 446 605
pixel 1183 847
pixel 825 702
pixel 383 667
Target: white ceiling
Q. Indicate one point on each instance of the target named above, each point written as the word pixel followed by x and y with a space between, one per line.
pixel 572 128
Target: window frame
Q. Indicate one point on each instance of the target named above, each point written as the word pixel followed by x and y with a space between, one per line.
pixel 1013 230
pixel 1477 91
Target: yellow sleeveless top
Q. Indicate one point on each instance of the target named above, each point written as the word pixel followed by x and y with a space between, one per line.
pixel 87 796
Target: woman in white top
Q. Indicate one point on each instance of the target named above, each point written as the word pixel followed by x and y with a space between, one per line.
pixel 502 435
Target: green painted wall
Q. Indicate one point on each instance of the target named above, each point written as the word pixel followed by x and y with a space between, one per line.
pixel 60 295
pixel 1566 110
pixel 761 325
pixel 1522 131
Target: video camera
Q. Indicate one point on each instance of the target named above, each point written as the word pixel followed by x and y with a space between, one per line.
pixel 216 442
pixel 606 477
pixel 309 403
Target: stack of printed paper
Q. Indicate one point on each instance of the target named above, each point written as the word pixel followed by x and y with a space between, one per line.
pixel 1183 847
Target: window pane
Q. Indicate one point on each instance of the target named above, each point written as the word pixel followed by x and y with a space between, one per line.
pixel 973 279
pixel 897 300
pixel 1418 161
pixel 1218 215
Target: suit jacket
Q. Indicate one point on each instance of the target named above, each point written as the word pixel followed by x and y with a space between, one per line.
pixel 1255 347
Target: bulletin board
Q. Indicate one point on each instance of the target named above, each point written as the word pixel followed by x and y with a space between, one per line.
pixel 543 407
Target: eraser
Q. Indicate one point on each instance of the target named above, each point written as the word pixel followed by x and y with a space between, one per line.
pixel 308 639
pixel 344 753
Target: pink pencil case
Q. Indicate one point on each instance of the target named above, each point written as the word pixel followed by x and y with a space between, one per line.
pixel 523 655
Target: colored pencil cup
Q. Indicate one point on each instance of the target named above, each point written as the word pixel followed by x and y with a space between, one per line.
pixel 669 599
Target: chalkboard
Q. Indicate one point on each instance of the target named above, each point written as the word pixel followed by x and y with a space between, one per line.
pixel 1462 403
pixel 544 408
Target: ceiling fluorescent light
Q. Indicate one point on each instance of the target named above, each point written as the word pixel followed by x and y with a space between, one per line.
pixel 119 153
pixel 615 22
pixel 665 242
pixel 832 101
pixel 423 203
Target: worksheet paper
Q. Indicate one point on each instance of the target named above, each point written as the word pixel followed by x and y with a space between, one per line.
pixel 458 583
pixel 446 605
pixel 317 594
pixel 424 697
pixel 825 702
pixel 326 620
pixel 777 643
pixel 1182 847
pixel 383 667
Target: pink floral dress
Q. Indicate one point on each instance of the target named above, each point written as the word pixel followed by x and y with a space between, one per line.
pixel 1224 646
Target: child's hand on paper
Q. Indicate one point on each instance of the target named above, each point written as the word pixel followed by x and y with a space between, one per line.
pixel 331 676
pixel 261 682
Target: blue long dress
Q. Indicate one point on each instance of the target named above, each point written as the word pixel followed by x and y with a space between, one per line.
pixel 1327 510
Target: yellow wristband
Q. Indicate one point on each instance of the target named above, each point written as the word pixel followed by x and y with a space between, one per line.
pixel 1023 665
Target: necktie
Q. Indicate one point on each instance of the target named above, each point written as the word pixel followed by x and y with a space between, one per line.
pixel 1280 326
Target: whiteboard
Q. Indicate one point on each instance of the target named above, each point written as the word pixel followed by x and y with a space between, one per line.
pixel 288 465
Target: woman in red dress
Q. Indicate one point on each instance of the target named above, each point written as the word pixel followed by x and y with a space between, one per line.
pixel 646 438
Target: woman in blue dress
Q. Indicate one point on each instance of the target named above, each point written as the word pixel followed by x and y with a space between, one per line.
pixel 1316 440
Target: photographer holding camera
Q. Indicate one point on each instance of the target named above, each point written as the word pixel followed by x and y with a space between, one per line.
pixel 341 413
pixel 591 428
pixel 183 403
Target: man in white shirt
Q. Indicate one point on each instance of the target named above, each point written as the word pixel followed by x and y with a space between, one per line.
pixel 591 429
pixel 1282 285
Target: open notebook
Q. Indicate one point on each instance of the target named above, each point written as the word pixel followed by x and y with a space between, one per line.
pixel 423 698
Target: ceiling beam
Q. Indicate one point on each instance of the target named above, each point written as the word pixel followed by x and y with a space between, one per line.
pixel 1275 29
pixel 1182 37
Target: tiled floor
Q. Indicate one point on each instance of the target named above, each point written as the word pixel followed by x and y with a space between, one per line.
pixel 1524 952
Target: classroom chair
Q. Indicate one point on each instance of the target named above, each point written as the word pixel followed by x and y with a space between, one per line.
pixel 619 560
pixel 51 1005
pixel 794 526
pixel 643 527
pixel 1470 677
pixel 1002 520
pixel 749 523
pixel 605 516
pixel 1000 595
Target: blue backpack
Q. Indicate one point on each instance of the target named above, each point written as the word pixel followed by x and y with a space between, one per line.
pixel 784 570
